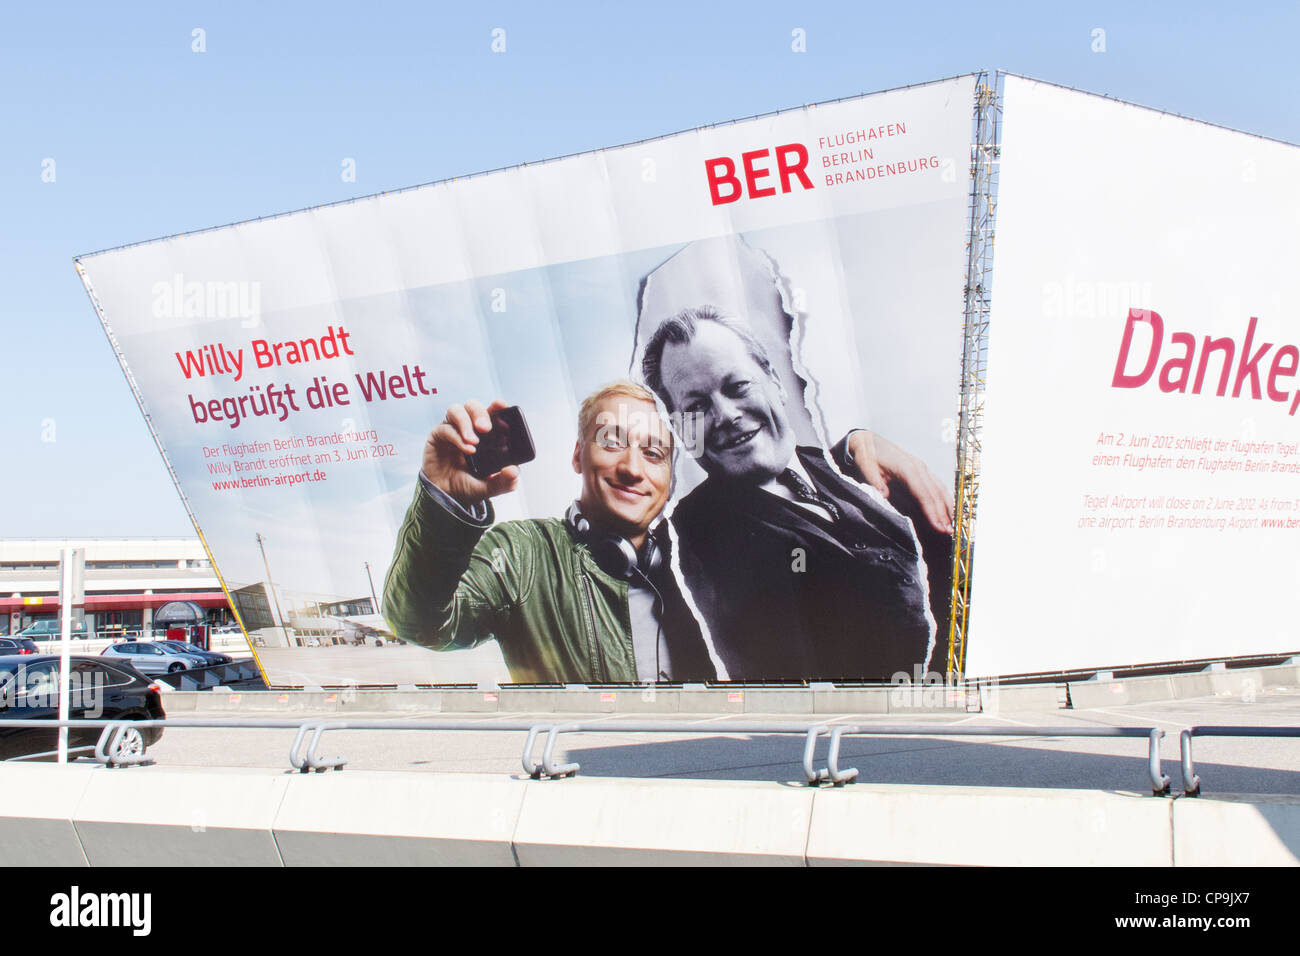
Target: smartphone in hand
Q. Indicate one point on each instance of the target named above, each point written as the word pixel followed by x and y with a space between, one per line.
pixel 508 443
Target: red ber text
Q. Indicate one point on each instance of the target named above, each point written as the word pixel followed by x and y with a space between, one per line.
pixel 759 177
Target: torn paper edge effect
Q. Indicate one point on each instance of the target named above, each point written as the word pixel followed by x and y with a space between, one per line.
pixel 812 386
pixel 794 342
pixel 674 562
pixel 812 405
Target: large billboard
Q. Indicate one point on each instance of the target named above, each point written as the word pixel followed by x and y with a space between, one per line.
pixel 1140 481
pixel 774 507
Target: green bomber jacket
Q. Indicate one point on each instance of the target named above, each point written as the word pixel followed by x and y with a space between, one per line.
pixel 556 614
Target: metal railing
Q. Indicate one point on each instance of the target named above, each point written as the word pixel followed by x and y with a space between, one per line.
pixel 115 749
pixel 1191 782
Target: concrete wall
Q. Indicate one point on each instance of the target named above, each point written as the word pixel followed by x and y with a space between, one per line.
pixel 37 805
pixel 79 815
pixel 989 826
pixel 611 822
pixel 1236 830
pixel 1242 682
pixel 708 701
pixel 976 697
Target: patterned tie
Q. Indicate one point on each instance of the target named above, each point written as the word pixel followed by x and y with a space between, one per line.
pixel 806 493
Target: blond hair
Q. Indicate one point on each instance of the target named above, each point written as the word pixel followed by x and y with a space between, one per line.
pixel 624 388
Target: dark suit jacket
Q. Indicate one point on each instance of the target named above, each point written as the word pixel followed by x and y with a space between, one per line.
pixel 788 595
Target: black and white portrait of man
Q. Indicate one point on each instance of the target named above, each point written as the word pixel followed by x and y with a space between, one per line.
pixel 797 568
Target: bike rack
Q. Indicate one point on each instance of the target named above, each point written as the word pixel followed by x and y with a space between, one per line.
pixel 311 761
pixel 109 739
pixel 548 766
pixel 1192 782
pixel 310 732
pixel 832 773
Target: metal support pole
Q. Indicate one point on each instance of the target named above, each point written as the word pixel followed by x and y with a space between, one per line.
pixel 848 774
pixel 65 650
pixel 810 772
pixel 533 770
pixel 261 544
pixel 1159 780
pixel 373 596
pixel 548 753
pixel 1191 782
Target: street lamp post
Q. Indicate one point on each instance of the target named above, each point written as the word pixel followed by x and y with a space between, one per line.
pixel 261 544
pixel 373 596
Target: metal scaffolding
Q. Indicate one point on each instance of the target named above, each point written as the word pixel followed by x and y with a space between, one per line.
pixel 979 273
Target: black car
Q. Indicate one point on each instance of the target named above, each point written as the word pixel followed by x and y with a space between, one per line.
pixel 29 690
pixel 17 645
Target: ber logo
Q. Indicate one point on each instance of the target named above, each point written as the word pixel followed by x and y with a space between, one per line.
pixel 760 177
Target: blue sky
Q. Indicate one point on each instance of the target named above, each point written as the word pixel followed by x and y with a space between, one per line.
pixel 149 138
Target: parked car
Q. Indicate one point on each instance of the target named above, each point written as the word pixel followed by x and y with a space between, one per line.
pixel 149 657
pixel 212 657
pixel 52 630
pixel 17 645
pixel 99 690
pixel 205 658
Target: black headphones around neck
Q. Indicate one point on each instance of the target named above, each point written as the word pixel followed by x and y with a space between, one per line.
pixel 614 553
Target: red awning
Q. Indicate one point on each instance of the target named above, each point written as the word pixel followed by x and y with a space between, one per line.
pixel 118 602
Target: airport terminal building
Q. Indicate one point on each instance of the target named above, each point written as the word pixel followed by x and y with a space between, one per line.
pixel 127 580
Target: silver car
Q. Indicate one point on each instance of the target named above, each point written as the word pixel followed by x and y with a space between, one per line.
pixel 149 657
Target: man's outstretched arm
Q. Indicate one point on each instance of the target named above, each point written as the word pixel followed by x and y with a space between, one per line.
pixel 866 456
pixel 439 591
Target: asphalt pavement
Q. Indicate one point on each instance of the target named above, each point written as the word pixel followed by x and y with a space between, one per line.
pixel 1226 765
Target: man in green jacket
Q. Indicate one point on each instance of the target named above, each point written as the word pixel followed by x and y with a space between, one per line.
pixel 588 598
